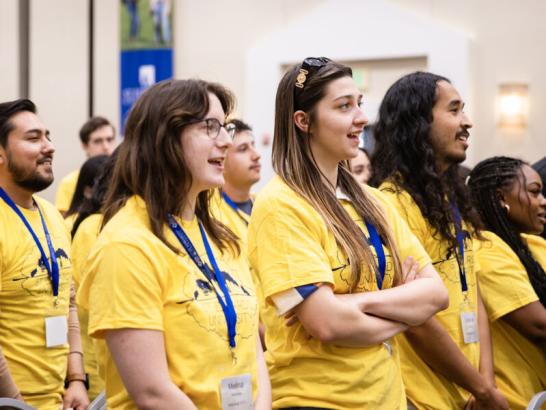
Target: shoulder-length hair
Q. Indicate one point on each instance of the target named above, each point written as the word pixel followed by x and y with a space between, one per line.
pixel 150 160
pixel 293 161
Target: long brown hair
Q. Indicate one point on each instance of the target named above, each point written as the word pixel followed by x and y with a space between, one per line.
pixel 150 160
pixel 293 161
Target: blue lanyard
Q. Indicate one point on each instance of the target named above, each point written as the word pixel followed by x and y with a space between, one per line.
pixel 460 240
pixel 375 240
pixel 53 268
pixel 227 305
pixel 233 206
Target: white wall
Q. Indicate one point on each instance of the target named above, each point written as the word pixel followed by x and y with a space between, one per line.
pixel 9 50
pixel 59 76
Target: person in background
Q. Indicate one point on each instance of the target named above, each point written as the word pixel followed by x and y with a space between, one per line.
pixel 39 331
pixel 361 166
pixel 242 171
pixel 98 137
pixel 332 255
pixel 165 281
pixel 540 167
pixel 422 134
pixel 84 186
pixel 507 192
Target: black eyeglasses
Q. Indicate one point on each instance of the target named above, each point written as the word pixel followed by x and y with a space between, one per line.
pixel 214 126
pixel 309 66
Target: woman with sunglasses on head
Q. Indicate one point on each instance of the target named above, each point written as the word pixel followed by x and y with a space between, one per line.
pixel 332 256
pixel 507 193
pixel 166 285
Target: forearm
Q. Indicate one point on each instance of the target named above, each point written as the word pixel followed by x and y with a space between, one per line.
pixel 357 329
pixel 7 385
pixel 75 355
pixel 412 303
pixel 444 356
pixel 486 350
pixel 263 398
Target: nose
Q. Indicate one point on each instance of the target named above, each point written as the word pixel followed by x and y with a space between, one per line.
pixel 255 154
pixel 223 140
pixel 360 118
pixel 467 122
pixel 47 146
pixel 542 200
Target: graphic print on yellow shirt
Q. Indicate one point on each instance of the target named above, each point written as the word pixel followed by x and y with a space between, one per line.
pixel 290 246
pixel 26 300
pixel 520 366
pixel 133 280
pixel 425 388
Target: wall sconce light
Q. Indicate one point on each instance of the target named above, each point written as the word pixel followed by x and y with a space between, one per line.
pixel 513 105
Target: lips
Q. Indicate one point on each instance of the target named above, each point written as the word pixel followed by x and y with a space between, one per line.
pixel 217 162
pixel 47 161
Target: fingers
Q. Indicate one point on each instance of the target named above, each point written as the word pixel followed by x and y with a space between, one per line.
pixel 409 269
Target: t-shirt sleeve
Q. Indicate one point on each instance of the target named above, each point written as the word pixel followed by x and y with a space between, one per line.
pixel 286 250
pixel 290 298
pixel 122 289
pixel 504 284
pixel 408 244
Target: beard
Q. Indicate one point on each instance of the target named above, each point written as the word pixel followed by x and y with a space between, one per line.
pixel 30 180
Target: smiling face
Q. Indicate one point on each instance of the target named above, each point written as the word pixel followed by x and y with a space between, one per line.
pixel 28 154
pixel 449 129
pixel 203 155
pixel 337 122
pixel 526 202
pixel 242 166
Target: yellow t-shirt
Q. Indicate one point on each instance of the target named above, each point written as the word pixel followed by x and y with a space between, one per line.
pixel 65 191
pixel 133 280
pixel 290 246
pixel 69 222
pixel 425 388
pixel 236 220
pixel 85 237
pixel 520 366
pixel 26 300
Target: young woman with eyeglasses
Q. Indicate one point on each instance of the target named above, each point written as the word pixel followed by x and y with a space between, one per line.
pixel 341 273
pixel 508 194
pixel 166 284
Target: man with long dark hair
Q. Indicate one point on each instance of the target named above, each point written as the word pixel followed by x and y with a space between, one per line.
pixel 422 135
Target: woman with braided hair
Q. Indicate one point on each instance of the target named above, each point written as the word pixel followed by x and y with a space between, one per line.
pixel 507 194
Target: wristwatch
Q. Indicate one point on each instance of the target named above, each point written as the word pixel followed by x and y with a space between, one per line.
pixel 77 377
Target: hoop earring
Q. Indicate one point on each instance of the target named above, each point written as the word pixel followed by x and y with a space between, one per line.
pixel 507 208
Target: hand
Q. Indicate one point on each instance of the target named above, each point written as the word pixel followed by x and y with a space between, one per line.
pixel 291 317
pixel 75 396
pixel 409 270
pixel 492 399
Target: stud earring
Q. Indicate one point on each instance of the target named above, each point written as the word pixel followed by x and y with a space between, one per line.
pixel 507 208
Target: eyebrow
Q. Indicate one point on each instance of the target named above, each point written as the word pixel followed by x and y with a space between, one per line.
pixel 535 183
pixel 359 97
pixel 456 103
pixel 37 131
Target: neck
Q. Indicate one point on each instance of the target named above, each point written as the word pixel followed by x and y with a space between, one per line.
pixel 236 194
pixel 329 170
pixel 20 196
pixel 188 209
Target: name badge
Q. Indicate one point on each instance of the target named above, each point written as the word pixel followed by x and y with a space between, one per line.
pixel 56 331
pixel 236 393
pixel 469 324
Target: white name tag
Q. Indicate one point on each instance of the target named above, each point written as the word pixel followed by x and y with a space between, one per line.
pixel 469 324
pixel 236 393
pixel 56 331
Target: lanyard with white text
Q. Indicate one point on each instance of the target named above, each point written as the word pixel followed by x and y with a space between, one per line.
pixel 53 268
pixel 375 240
pixel 234 206
pixel 227 305
pixel 460 240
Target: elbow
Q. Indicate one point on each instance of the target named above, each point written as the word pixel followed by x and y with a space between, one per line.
pixel 148 398
pixel 438 300
pixel 323 332
pixel 442 298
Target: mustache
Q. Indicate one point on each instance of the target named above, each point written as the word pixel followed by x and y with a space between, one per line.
pixel 47 158
pixel 463 133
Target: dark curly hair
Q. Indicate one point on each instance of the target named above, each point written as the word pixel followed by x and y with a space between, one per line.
pixel 484 181
pixel 405 156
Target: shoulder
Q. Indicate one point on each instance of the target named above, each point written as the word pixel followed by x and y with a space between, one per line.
pixel 70 178
pixel 50 211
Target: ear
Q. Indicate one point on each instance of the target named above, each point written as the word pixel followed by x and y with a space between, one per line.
pixel 301 119
pixel 85 148
pixel 499 194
